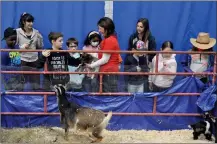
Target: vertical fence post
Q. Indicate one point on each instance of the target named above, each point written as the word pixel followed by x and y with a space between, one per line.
pixel 156 71
pixel 100 83
pixel 214 70
pixel 45 96
pixel 214 80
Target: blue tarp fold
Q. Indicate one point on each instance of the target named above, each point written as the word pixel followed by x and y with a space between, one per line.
pixel 207 99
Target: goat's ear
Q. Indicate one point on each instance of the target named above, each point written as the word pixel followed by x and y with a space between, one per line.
pixel 56 89
pixel 62 89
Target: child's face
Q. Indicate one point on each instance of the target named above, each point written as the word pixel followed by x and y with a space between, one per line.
pixel 167 55
pixel 11 40
pixel 94 41
pixel 58 43
pixel 28 24
pixel 73 46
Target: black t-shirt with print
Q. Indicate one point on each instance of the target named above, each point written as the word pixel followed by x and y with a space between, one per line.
pixel 58 62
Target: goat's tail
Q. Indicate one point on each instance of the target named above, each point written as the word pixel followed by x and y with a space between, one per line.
pixel 189 126
pixel 105 121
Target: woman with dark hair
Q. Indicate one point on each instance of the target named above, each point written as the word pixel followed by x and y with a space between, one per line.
pixel 108 62
pixel 143 33
pixel 166 63
pixel 29 38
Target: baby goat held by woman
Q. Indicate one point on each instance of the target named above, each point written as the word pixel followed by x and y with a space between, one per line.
pixel 78 117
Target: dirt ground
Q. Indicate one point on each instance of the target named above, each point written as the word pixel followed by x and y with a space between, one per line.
pixel 55 135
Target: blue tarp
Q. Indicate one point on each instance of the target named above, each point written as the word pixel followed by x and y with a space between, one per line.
pixel 138 103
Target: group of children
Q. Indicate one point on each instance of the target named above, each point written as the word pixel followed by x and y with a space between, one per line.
pixel 27 37
pixel 61 61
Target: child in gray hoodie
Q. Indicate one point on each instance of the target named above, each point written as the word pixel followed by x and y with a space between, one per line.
pixel 29 38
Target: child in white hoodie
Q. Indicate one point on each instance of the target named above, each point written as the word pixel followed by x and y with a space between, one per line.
pixel 166 63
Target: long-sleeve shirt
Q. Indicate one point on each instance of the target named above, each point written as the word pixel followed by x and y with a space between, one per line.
pixel 164 65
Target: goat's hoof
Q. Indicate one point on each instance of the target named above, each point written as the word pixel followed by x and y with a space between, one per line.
pixel 97 140
pixel 195 138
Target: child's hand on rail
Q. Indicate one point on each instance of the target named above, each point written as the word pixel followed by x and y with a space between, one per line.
pixel 46 53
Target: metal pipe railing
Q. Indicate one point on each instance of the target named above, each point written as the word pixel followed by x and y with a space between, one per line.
pixel 154 113
pixel 111 73
pixel 214 70
pixel 94 94
pixel 113 113
pixel 110 51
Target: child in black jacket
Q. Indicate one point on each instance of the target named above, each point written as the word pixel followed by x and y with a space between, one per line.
pixel 57 61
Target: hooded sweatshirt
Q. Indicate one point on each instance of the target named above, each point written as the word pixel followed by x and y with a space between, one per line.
pixel 164 65
pixel 37 43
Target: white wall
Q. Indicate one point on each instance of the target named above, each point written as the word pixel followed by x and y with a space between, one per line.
pixel 109 9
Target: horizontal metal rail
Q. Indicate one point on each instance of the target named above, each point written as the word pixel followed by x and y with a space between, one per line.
pixel 94 94
pixel 110 51
pixel 113 113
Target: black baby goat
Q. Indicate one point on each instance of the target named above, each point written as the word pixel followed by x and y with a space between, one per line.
pixel 80 118
pixel 205 127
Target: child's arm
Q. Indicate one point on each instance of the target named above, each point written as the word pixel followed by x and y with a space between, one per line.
pixel 39 44
pixel 40 62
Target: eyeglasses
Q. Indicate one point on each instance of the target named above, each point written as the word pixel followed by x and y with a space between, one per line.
pixel 72 46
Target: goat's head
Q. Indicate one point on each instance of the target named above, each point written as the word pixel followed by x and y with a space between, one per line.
pixel 86 58
pixel 206 115
pixel 60 90
pixel 209 116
